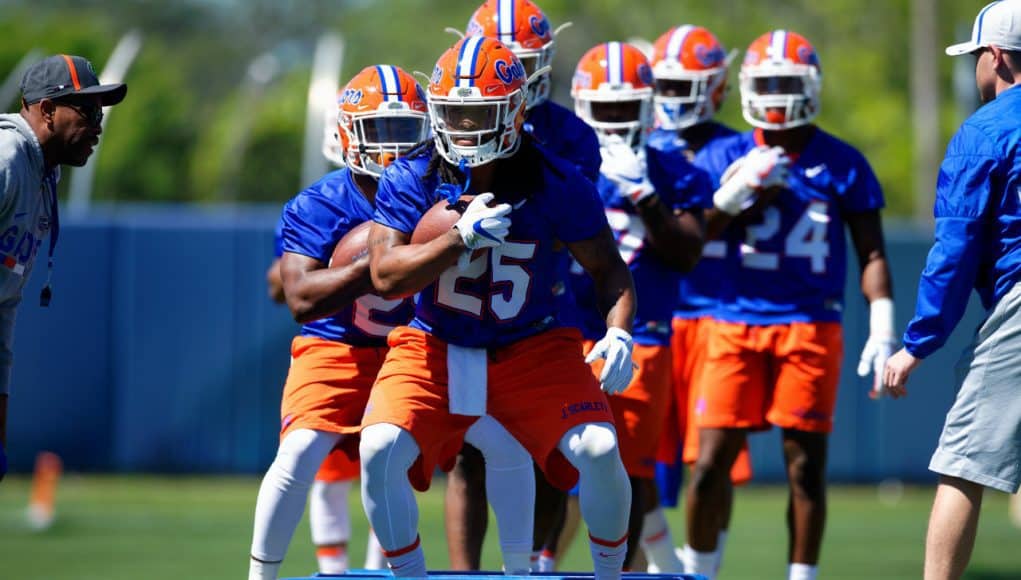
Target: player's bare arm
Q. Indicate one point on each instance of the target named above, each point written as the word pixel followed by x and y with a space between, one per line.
pixel 400 268
pixel 867 235
pixel 314 291
pixel 676 237
pixel 612 279
pixel 274 284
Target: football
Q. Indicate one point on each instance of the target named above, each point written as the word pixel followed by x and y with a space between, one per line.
pixel 352 247
pixel 439 219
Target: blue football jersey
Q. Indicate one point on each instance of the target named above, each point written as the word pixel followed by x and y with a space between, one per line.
pixel 505 293
pixel 560 132
pixel 791 264
pixel 700 289
pixel 679 185
pixel 312 224
pixel 978 223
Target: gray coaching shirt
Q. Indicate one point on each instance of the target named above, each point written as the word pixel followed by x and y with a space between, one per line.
pixel 27 191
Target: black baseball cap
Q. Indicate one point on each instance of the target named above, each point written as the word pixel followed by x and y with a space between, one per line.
pixel 61 75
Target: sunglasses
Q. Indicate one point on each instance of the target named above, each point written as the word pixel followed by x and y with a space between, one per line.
pixel 89 111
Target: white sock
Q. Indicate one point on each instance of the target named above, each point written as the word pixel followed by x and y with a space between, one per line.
pixel 387 451
pixel 328 513
pixel 604 493
pixel 408 562
pixel 374 553
pixel 547 561
pixel 263 570
pixel 510 487
pixel 535 560
pixel 282 494
pixel 332 560
pixel 607 557
pixel 658 543
pixel 802 571
pixel 699 562
pixel 721 543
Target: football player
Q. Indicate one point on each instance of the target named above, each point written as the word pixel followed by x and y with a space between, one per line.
pixel 329 517
pixel 653 201
pixel 690 68
pixel 787 189
pixel 523 27
pixel 486 314
pixel 382 113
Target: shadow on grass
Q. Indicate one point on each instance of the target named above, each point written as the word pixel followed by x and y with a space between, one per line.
pixel 981 574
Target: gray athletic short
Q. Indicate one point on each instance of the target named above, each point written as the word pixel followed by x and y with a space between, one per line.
pixel 981 440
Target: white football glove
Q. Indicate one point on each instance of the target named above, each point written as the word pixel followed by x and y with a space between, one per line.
pixel 626 169
pixel 880 345
pixel 761 168
pixel 615 347
pixel 482 226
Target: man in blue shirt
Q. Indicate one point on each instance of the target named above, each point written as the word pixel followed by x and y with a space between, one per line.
pixel 978 245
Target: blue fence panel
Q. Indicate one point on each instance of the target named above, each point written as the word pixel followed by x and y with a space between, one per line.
pixel 161 352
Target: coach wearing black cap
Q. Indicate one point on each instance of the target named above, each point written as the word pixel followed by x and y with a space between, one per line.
pixel 59 124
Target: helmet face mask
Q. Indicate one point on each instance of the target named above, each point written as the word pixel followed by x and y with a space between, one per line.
pixel 382 114
pixel 780 82
pixel 612 92
pixel 683 99
pixel 627 120
pixel 690 67
pixel 477 102
pixel 538 88
pixel 377 139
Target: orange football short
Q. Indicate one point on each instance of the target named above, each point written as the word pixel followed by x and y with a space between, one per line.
pixel 782 374
pixel 538 388
pixel 327 387
pixel 640 411
pixel 338 467
pixel 688 345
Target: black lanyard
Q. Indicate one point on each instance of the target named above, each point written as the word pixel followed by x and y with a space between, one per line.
pixel 51 181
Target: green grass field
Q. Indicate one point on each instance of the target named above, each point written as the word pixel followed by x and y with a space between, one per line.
pixel 160 527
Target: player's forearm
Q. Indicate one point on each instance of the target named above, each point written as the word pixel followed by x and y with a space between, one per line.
pixel 875 278
pixel 274 283
pixel 716 222
pixel 677 239
pixel 615 293
pixel 403 270
pixel 323 292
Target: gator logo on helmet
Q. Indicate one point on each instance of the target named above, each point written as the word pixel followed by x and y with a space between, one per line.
pixel 351 96
pixel 539 24
pixel 709 55
pixel 645 73
pixel 474 28
pixel 807 55
pixel 437 75
pixel 508 72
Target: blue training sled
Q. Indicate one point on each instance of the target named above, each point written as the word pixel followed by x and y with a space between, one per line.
pixel 450 575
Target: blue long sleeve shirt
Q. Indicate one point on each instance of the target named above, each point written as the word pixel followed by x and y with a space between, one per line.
pixel 978 223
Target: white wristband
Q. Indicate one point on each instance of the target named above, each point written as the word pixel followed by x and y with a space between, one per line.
pixel 881 318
